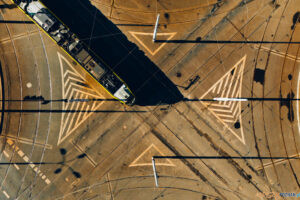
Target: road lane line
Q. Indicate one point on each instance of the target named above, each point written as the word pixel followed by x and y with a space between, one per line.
pixel 297 105
pixel 21 154
pixel 17 167
pixel 6 154
pixel 26 158
pixel 5 193
pixel 47 181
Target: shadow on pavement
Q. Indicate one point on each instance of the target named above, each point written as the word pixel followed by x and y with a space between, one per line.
pixel 149 84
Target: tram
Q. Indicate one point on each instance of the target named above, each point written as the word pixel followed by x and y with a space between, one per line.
pixel 75 48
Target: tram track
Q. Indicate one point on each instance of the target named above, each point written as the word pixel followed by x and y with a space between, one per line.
pixel 245 176
pixel 161 138
pixel 38 117
pixel 87 188
pixel 21 106
pixel 217 148
pixel 263 105
pixel 252 109
pixel 280 109
pixel 27 35
pixel 154 11
pixel 252 168
pixel 173 148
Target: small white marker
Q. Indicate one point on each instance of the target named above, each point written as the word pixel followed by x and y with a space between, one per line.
pixel 5 193
pixel 28 85
pixel 43 177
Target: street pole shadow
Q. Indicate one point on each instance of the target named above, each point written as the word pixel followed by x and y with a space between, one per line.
pixel 148 83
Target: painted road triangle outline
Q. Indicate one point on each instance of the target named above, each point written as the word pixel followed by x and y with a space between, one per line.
pixel 145 158
pixel 152 52
pixel 229 86
pixel 74 86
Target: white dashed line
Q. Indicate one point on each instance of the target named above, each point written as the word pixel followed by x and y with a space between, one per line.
pixel 5 193
pixel 47 181
pixel 17 167
pixel 297 105
pixel 26 158
pixel 21 154
pixel 6 154
pixel 36 169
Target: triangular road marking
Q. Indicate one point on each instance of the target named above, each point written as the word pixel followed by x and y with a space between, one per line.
pixel 74 86
pixel 229 86
pixel 145 158
pixel 137 36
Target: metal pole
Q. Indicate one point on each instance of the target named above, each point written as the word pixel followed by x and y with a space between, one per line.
pixel 155 28
pixel 154 172
pixel 229 99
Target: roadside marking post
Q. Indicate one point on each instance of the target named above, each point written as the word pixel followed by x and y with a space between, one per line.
pixel 155 28
pixel 154 172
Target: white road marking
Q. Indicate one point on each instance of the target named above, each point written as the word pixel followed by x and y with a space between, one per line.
pixel 276 162
pixel 28 85
pixel 153 147
pixel 227 91
pixel 47 181
pixel 297 105
pixel 291 57
pixel 17 167
pixel 70 121
pixel 134 34
pixel 21 154
pixel 225 86
pixel 26 159
pixel 36 169
pixel 11 139
pixel 5 193
pixel 278 53
pixel 229 99
pixel 6 154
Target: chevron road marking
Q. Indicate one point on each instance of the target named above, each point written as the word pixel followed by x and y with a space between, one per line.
pixel 136 34
pixel 74 86
pixel 145 158
pixel 228 86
